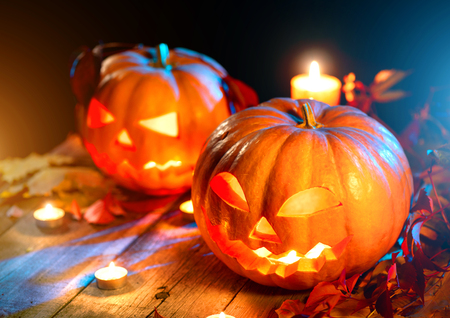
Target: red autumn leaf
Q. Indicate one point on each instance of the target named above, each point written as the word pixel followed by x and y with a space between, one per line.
pixel 113 206
pixel 405 248
pixel 98 214
pixel 392 276
pixel 324 292
pixel 425 261
pixel 384 305
pixel 290 308
pixel 341 283
pixel 424 202
pixel 351 282
pixel 415 231
pixel 240 94
pixel 407 275
pixel 75 210
pixel 145 206
pixel 157 315
pixel 419 285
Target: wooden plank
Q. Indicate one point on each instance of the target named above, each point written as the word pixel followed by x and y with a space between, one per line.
pixel 171 257
pixel 40 271
pixel 27 206
pixel 257 301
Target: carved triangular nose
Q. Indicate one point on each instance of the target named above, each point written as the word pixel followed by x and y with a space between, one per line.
pixel 263 231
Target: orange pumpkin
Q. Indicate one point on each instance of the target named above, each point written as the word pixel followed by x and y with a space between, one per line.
pixel 290 193
pixel 147 113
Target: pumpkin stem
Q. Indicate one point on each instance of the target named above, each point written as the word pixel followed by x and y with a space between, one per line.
pixel 162 53
pixel 309 122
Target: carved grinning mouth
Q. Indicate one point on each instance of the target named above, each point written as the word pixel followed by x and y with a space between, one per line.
pixel 283 265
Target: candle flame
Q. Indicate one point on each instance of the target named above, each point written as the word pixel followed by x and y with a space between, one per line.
pixel 111 265
pixel 48 208
pixel 222 315
pixel 187 207
pixel 314 71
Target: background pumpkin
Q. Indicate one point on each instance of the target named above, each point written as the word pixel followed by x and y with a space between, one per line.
pixel 306 177
pixel 145 112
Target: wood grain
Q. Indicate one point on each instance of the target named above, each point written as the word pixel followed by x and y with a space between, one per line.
pixel 41 271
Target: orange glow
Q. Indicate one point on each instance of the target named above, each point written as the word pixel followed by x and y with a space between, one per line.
pixel 265 232
pixel 98 115
pixel 314 71
pixel 170 163
pixel 308 202
pixel 166 124
pixel 290 258
pixel 187 207
pixel 316 250
pixel 321 87
pixel 124 138
pixel 48 213
pixel 227 187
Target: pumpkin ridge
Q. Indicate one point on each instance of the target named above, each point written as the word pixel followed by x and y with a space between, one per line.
pixel 327 133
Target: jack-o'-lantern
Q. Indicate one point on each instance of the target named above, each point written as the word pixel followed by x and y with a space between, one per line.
pixel 289 193
pixel 144 113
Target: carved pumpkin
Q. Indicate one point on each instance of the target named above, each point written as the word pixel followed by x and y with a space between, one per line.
pixel 289 193
pixel 147 113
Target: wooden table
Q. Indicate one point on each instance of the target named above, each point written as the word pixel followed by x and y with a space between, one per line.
pixel 51 273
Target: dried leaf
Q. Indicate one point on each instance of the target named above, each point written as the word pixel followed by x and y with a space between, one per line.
pixel 324 292
pixel 385 79
pixel 75 210
pixel 112 204
pixel 15 212
pixel 73 147
pixel 390 96
pixel 384 305
pixel 442 155
pixel 157 315
pixel 14 169
pixel 98 214
pixel 407 275
pixel 424 202
pixel 439 301
pixel 289 308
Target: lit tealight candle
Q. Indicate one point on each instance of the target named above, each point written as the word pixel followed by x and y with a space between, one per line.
pixel 188 210
pixel 221 315
pixel 49 217
pixel 321 87
pixel 111 277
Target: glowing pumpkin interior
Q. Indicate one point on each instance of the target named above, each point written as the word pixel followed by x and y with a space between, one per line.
pixel 99 116
pixel 303 203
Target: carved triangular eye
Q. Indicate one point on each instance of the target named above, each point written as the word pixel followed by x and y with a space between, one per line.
pixel 264 231
pixel 166 124
pixel 124 140
pixel 98 115
pixel 227 187
pixel 308 201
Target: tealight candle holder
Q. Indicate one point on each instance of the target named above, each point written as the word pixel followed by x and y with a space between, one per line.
pixel 188 211
pixel 49 217
pixel 111 277
pixel 221 315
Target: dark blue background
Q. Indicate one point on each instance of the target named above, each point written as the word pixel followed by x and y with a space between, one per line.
pixel 261 43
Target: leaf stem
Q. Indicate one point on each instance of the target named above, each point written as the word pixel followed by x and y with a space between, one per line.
pixel 430 172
